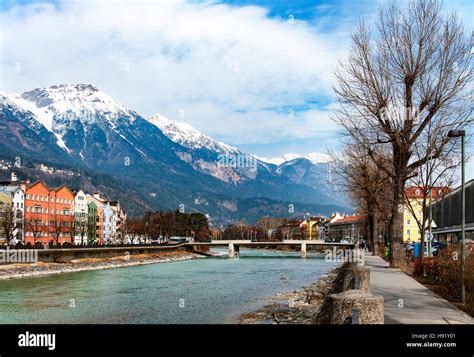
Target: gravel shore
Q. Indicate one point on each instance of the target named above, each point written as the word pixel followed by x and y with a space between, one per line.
pixel 11 271
pixel 297 307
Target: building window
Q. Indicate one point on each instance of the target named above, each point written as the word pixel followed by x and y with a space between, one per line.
pixel 408 221
pixel 408 231
pixel 417 192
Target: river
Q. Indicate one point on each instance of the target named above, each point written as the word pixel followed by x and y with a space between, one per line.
pixel 211 290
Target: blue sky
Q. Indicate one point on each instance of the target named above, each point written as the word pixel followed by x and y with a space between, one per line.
pixel 255 74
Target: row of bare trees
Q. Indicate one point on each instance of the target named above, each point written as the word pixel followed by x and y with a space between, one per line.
pixel 403 87
pixel 57 227
pixel 266 229
pixel 168 223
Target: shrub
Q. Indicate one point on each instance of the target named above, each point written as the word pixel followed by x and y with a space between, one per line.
pixel 444 270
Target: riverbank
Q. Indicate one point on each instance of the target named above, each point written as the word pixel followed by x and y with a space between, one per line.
pixel 12 271
pixel 297 307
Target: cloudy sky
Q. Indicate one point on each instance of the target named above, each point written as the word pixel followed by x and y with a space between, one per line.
pixel 255 74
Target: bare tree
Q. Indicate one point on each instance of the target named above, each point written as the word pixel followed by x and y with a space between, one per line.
pixel 35 226
pixel 266 224
pixel 408 80
pixel 7 222
pixel 243 228
pixel 61 224
pixel 368 187
pixel 165 221
pixel 432 181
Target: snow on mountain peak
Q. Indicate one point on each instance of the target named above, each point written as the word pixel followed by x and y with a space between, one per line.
pixel 187 136
pixel 73 101
pixel 314 157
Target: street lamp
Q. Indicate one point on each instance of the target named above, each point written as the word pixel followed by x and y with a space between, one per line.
pixel 462 134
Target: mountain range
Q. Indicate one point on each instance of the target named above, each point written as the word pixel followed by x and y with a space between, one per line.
pixel 156 163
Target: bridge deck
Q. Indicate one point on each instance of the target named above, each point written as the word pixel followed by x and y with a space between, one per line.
pixel 285 242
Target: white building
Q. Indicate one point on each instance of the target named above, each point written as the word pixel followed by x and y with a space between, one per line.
pixel 108 224
pixel 18 207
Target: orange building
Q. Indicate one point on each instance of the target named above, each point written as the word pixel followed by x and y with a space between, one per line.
pixel 49 214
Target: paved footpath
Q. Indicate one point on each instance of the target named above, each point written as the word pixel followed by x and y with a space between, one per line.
pixel 407 301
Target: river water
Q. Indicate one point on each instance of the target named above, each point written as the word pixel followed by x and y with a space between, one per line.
pixel 211 290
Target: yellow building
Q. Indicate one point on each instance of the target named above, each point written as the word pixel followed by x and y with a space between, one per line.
pixel 413 216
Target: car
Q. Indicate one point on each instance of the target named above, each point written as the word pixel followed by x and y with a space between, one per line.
pixel 208 240
pixel 437 247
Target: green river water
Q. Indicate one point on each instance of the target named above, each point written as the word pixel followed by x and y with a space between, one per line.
pixel 211 290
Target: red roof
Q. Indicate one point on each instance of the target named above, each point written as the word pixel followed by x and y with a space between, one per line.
pixel 293 223
pixel 350 219
pixel 417 191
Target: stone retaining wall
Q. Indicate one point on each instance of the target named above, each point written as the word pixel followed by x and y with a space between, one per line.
pixel 350 300
pixel 65 255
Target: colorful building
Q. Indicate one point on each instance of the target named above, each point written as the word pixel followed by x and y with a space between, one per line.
pixel 315 228
pixel 18 201
pixel 80 217
pixel 413 210
pixel 49 214
pixel 118 220
pixel 5 209
pixel 99 226
pixel 91 222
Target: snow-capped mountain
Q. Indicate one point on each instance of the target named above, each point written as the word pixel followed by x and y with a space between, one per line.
pixel 169 163
pixel 207 155
pixel 313 169
pixel 62 108
pixel 185 135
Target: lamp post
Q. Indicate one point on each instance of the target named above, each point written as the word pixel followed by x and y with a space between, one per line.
pixel 462 134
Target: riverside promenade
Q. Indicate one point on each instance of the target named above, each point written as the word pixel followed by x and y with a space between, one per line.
pixel 406 301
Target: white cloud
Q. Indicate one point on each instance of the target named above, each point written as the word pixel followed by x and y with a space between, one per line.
pixel 226 67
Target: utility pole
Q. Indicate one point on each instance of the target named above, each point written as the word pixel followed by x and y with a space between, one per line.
pixel 462 134
pixel 430 238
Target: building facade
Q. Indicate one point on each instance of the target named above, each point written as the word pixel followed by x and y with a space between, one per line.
pixel 18 207
pixel 447 213
pixel 5 210
pixel 49 214
pixel 91 222
pixel 99 226
pixel 413 210
pixel 81 217
pixel 350 228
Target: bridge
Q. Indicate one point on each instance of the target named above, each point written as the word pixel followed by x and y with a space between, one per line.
pixel 234 245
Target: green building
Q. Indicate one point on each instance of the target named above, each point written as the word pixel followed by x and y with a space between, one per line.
pixel 91 221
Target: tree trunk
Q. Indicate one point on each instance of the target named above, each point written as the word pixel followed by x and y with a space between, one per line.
pixel 397 256
pixel 368 231
pixel 375 236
